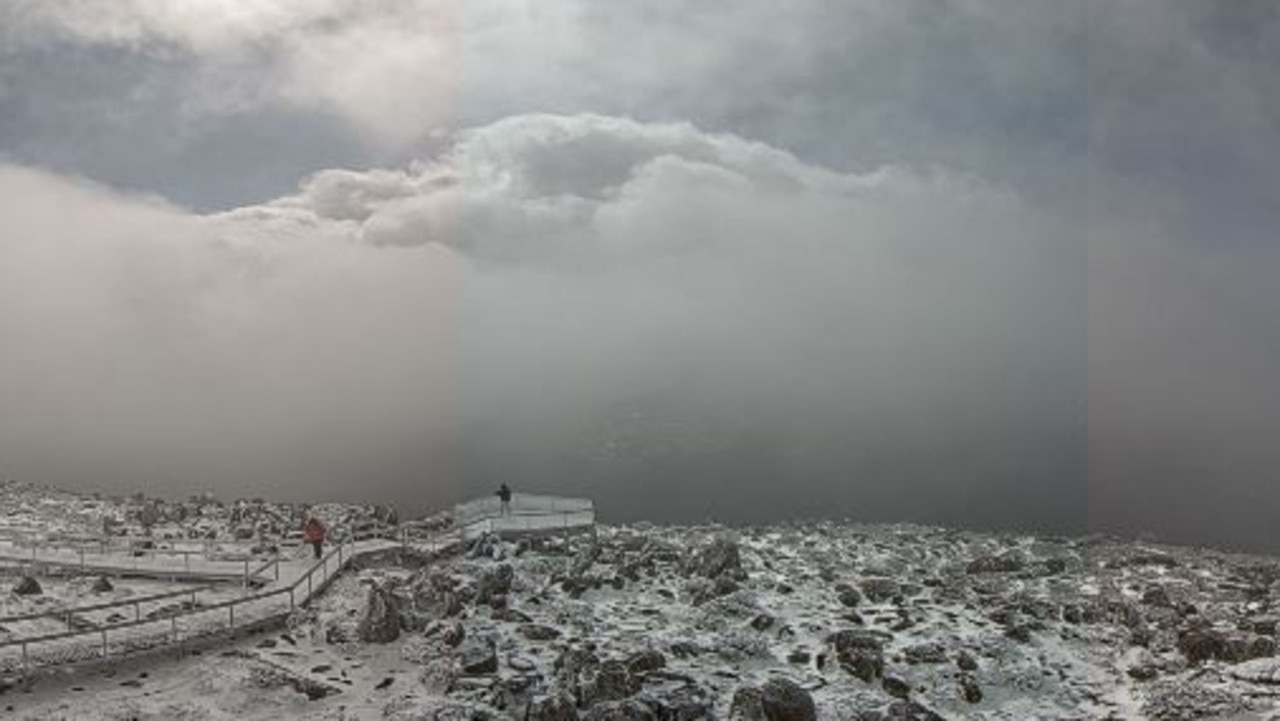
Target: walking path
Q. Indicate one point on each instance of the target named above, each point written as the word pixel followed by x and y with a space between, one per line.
pixel 178 618
pixel 153 563
pixel 102 631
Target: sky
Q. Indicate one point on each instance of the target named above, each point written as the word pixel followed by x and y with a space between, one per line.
pixel 997 264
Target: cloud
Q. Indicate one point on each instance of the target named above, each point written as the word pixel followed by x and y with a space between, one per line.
pixel 559 301
pixel 851 86
pixel 388 69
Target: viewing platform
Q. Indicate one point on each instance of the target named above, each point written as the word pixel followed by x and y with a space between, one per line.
pixel 526 515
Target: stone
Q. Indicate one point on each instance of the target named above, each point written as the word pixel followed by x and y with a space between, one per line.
pixel 477 657
pixel 719 558
pixel 895 687
pixel 910 711
pixel 495 584
pixel 923 653
pixel 879 590
pixel 380 622
pixel 620 711
pixel 970 691
pixel 646 661
pixel 848 595
pixel 860 652
pixel 1002 563
pixel 612 681
pixel 539 632
pixel 454 634
pixel 785 700
pixel 552 708
pixel 27 586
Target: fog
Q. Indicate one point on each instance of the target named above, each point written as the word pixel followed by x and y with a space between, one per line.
pixel 697 327
pixel 999 270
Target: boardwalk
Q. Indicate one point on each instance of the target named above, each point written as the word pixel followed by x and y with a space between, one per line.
pixel 189 565
pixel 102 631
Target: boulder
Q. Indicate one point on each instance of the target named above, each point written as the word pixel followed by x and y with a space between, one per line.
pixel 453 635
pixel 558 707
pixel 719 558
pixel 1203 644
pixel 477 656
pixel 495 584
pixel 539 632
pixel 848 595
pixel 381 620
pixel 687 702
pixel 27 586
pixel 861 653
pixel 923 653
pixel 779 699
pixel 612 681
pixel 970 691
pixel 895 687
pixel 1001 563
pixel 879 590
pixel 910 711
pixel 646 661
pixel 784 700
pixel 620 711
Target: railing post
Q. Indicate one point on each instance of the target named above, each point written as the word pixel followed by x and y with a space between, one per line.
pixel 292 603
pixel 309 583
pixel 231 616
pixel 246 574
pixel 276 566
pixel 137 611
pixel 173 626
pixel 104 643
pixel 26 662
pixel 186 562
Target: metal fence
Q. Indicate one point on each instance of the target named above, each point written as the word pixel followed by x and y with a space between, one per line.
pixel 525 514
pixel 188 613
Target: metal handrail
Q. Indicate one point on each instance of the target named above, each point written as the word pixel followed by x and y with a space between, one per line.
pixel 322 566
pixel 123 603
pixel 487 522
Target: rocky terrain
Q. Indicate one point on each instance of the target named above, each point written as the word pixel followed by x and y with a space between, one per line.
pixel 776 623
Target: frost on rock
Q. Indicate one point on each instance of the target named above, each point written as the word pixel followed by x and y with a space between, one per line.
pixel 1184 702
pixel 27 586
pixel 381 620
pixel 721 557
pixel 816 620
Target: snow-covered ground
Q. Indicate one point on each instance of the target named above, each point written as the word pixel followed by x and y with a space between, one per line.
pixel 797 621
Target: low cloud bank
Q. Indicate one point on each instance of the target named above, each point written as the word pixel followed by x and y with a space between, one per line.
pixel 681 325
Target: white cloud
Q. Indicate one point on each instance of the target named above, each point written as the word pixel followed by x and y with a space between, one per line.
pixel 544 274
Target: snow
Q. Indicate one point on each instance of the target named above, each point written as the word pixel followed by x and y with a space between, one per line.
pixel 631 589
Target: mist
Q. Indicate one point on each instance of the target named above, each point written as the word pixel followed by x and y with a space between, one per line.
pixel 699 327
pixel 991 266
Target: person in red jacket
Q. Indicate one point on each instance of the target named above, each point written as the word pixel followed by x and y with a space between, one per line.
pixel 315 533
